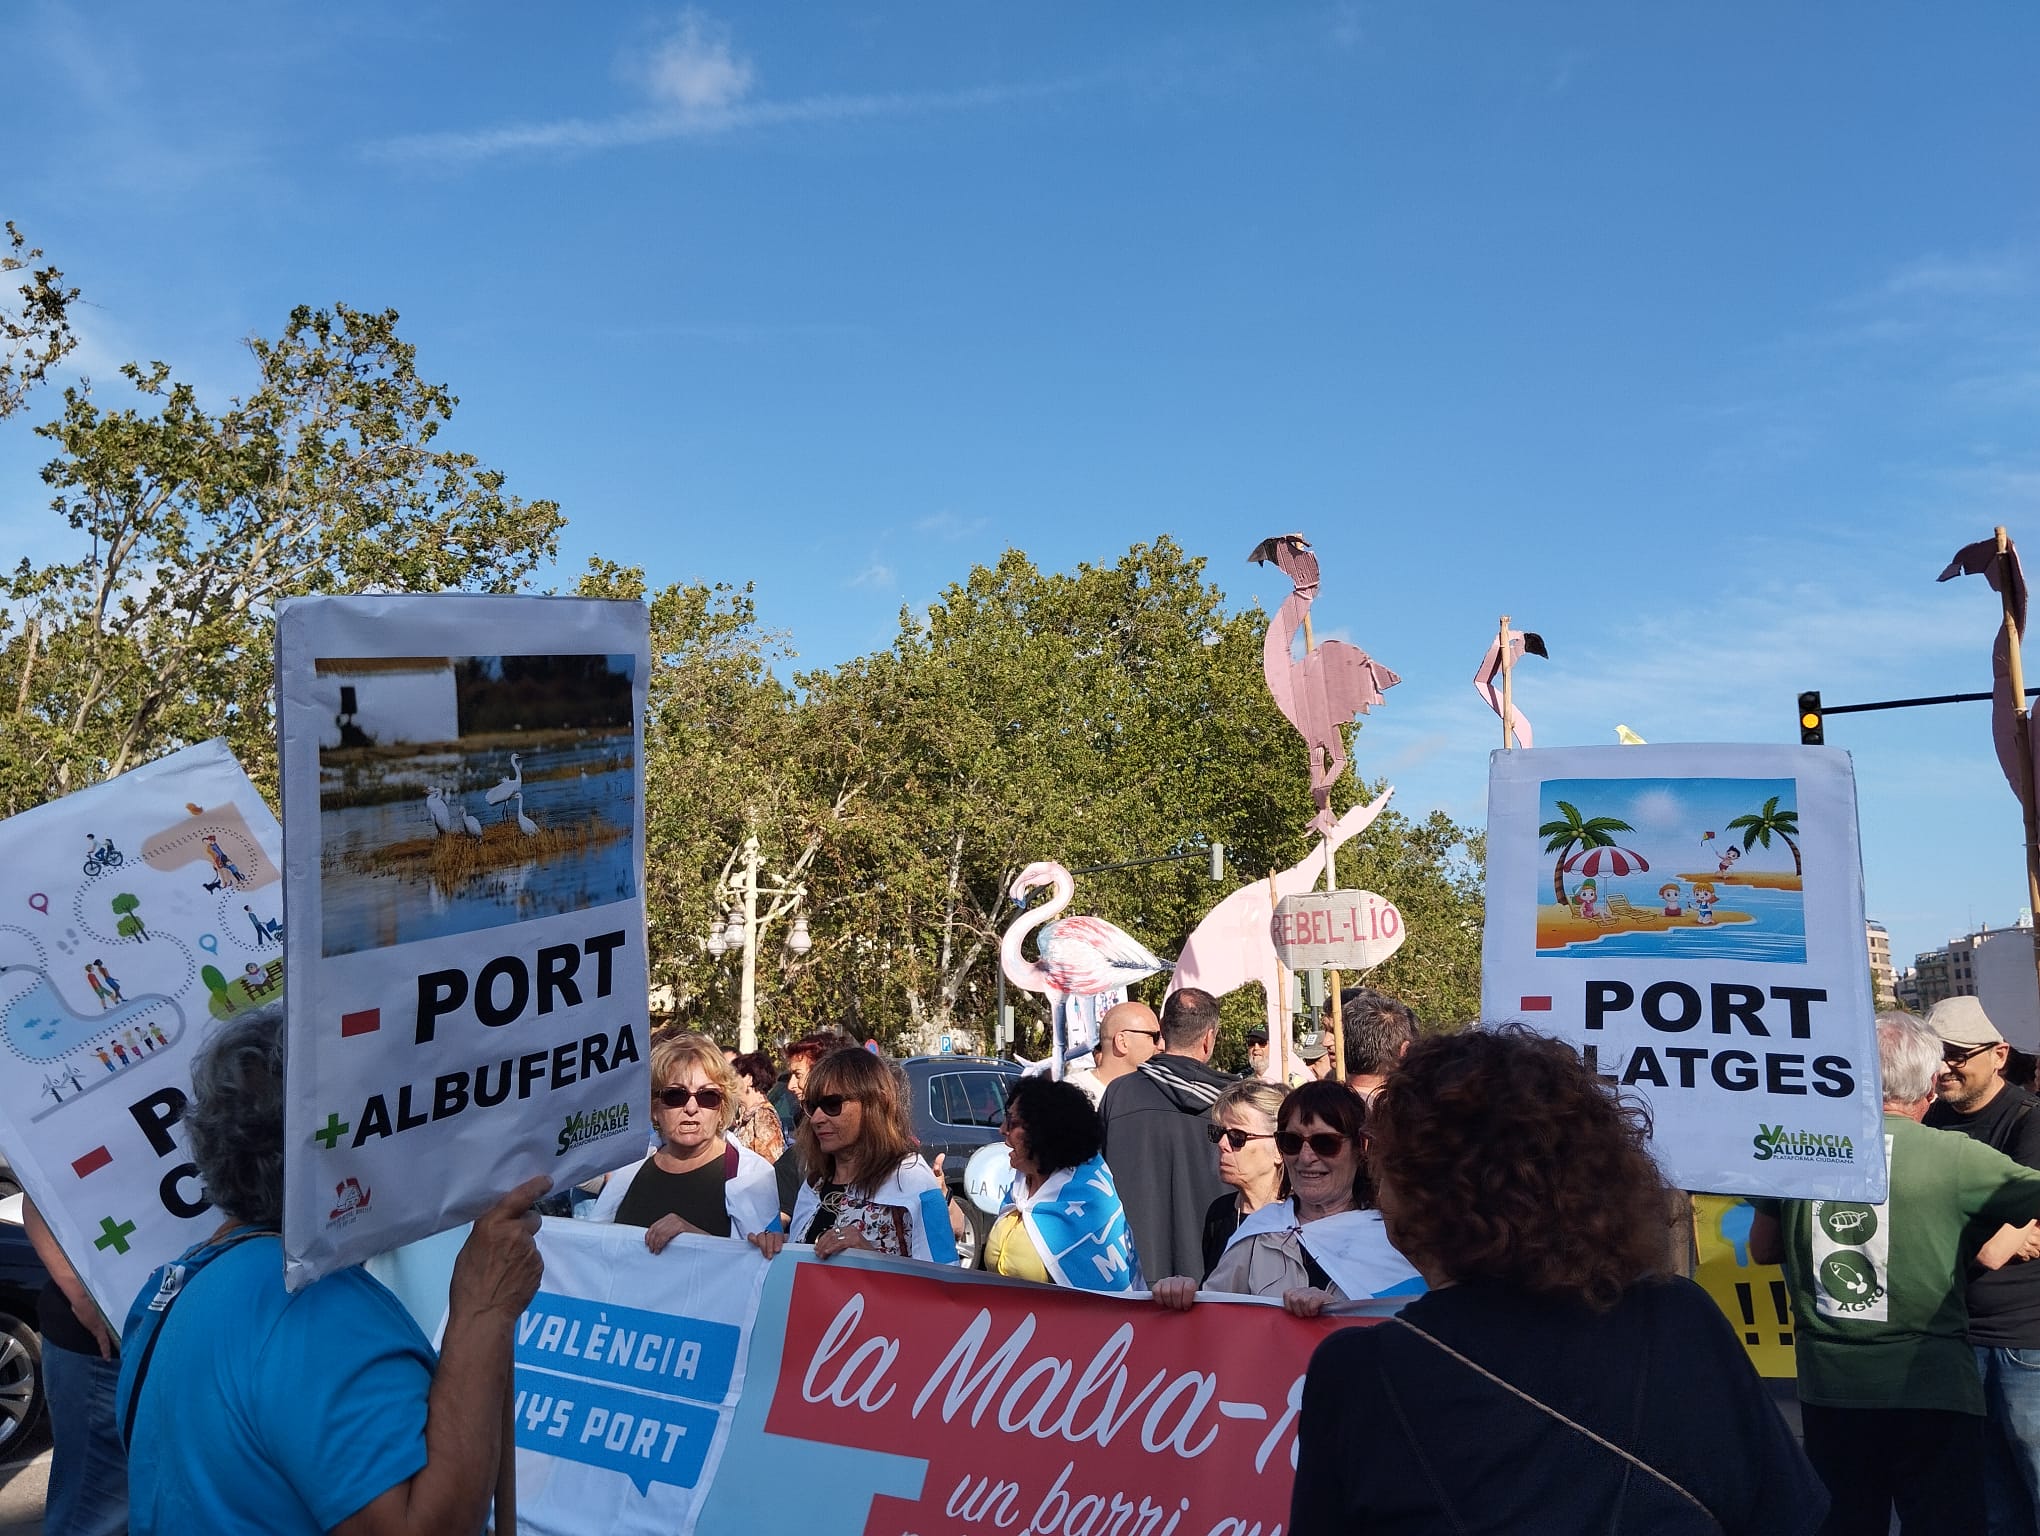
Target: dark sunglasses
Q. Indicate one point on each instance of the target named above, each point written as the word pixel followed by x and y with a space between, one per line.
pixel 1954 1055
pixel 1152 1034
pixel 1234 1138
pixel 680 1098
pixel 1326 1144
pixel 830 1104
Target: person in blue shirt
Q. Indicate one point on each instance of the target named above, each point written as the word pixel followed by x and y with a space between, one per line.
pixel 247 1408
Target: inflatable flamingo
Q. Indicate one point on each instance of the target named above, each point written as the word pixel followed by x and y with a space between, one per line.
pixel 1083 957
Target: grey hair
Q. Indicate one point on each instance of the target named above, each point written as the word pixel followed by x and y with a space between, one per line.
pixel 235 1122
pixel 1265 1098
pixel 1910 1055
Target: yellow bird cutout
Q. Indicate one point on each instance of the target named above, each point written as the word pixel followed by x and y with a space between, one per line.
pixel 1629 738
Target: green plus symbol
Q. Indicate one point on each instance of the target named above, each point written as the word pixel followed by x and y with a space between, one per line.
pixel 112 1236
pixel 331 1132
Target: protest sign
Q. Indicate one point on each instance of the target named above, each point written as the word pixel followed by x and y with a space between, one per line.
pixel 1751 1296
pixel 868 1396
pixel 1336 930
pixel 1691 918
pixel 629 1366
pixel 134 916
pixel 463 787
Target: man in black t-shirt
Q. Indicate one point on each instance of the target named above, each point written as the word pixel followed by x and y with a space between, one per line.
pixel 81 1366
pixel 2004 1301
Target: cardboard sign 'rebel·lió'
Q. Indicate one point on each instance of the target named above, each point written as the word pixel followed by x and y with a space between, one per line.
pixel 1336 930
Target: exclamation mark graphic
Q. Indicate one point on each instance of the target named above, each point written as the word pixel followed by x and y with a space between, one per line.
pixel 1784 1306
pixel 1749 1311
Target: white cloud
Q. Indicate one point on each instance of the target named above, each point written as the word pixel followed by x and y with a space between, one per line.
pixel 696 70
pixel 1958 276
pixel 877 575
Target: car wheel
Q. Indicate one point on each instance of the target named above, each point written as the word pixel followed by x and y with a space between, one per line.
pixel 21 1389
pixel 970 1248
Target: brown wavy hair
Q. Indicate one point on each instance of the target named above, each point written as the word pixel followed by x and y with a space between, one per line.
pixel 1504 1159
pixel 885 1137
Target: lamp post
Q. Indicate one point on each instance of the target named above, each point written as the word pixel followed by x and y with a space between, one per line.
pixel 739 890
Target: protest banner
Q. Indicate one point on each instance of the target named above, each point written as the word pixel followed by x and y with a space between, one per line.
pixel 1751 1296
pixel 868 1396
pixel 1336 930
pixel 463 787
pixel 134 916
pixel 1691 918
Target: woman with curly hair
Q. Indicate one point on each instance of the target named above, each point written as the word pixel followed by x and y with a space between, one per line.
pixel 1326 1242
pixel 1063 1223
pixel 866 1184
pixel 1550 1380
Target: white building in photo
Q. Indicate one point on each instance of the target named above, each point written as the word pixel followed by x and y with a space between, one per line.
pixel 389 699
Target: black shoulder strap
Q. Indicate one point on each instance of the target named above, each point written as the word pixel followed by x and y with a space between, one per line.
pixel 176 1277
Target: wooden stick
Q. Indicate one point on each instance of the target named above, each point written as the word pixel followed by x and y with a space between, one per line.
pixel 1508 687
pixel 1279 1050
pixel 2022 729
pixel 506 1463
pixel 1338 1030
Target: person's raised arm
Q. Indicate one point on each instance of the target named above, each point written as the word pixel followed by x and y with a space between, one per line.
pixel 1767 1239
pixel 494 1279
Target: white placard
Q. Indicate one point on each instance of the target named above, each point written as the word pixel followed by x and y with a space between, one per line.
pixel 134 917
pixel 1691 917
pixel 463 786
pixel 1336 930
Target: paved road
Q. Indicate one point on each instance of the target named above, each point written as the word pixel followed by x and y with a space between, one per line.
pixel 21 1494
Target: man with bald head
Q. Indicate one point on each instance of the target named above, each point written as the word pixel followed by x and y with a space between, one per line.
pixel 1127 1036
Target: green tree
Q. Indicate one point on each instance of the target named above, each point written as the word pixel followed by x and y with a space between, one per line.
pixel 1762 825
pixel 1576 831
pixel 193 524
pixel 35 324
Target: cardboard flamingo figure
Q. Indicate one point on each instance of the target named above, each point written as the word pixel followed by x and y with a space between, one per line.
pixel 2008 580
pixel 1491 679
pixel 1328 687
pixel 1232 946
pixel 1080 957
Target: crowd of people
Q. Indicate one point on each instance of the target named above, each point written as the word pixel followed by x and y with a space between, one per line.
pixel 1551 1366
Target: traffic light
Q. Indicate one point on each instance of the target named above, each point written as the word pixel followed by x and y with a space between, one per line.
pixel 1812 729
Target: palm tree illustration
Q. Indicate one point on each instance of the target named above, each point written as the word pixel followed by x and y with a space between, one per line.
pixel 1576 831
pixel 1760 827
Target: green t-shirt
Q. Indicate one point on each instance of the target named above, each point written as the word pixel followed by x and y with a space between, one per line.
pixel 1877 1290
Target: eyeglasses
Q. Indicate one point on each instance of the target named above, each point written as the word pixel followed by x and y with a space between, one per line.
pixel 1954 1055
pixel 1236 1139
pixel 1152 1034
pixel 680 1098
pixel 1326 1144
pixel 830 1104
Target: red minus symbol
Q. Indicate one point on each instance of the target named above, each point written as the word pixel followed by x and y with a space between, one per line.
pixel 92 1162
pixel 1535 1005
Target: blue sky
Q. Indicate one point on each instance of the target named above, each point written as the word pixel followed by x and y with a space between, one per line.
pixel 1695 337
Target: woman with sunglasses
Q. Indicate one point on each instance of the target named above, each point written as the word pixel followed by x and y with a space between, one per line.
pixel 1063 1223
pixel 1243 1129
pixel 1325 1242
pixel 867 1186
pixel 697 1179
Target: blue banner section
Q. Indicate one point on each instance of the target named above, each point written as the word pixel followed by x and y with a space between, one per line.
pixel 650 1351
pixel 646 1439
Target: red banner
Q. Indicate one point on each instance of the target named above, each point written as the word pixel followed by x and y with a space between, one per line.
pixel 1045 1412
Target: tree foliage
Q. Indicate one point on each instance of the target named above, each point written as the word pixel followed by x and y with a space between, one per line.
pixel 192 525
pixel 35 324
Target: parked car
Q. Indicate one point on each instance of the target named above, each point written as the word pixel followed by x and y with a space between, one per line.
pixel 22 1277
pixel 959 1104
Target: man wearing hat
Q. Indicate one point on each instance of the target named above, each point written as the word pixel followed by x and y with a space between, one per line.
pixel 1314 1050
pixel 2004 1303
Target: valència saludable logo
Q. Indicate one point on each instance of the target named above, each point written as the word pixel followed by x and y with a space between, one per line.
pixel 1805 1146
pixel 593 1125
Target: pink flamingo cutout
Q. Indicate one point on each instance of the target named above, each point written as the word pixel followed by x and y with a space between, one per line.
pixel 1487 676
pixel 1233 946
pixel 1328 687
pixel 1981 559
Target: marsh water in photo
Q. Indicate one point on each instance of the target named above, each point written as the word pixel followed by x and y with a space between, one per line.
pixel 530 809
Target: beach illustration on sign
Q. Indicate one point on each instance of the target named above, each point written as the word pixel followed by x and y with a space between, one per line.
pixel 1677 868
pixel 458 793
